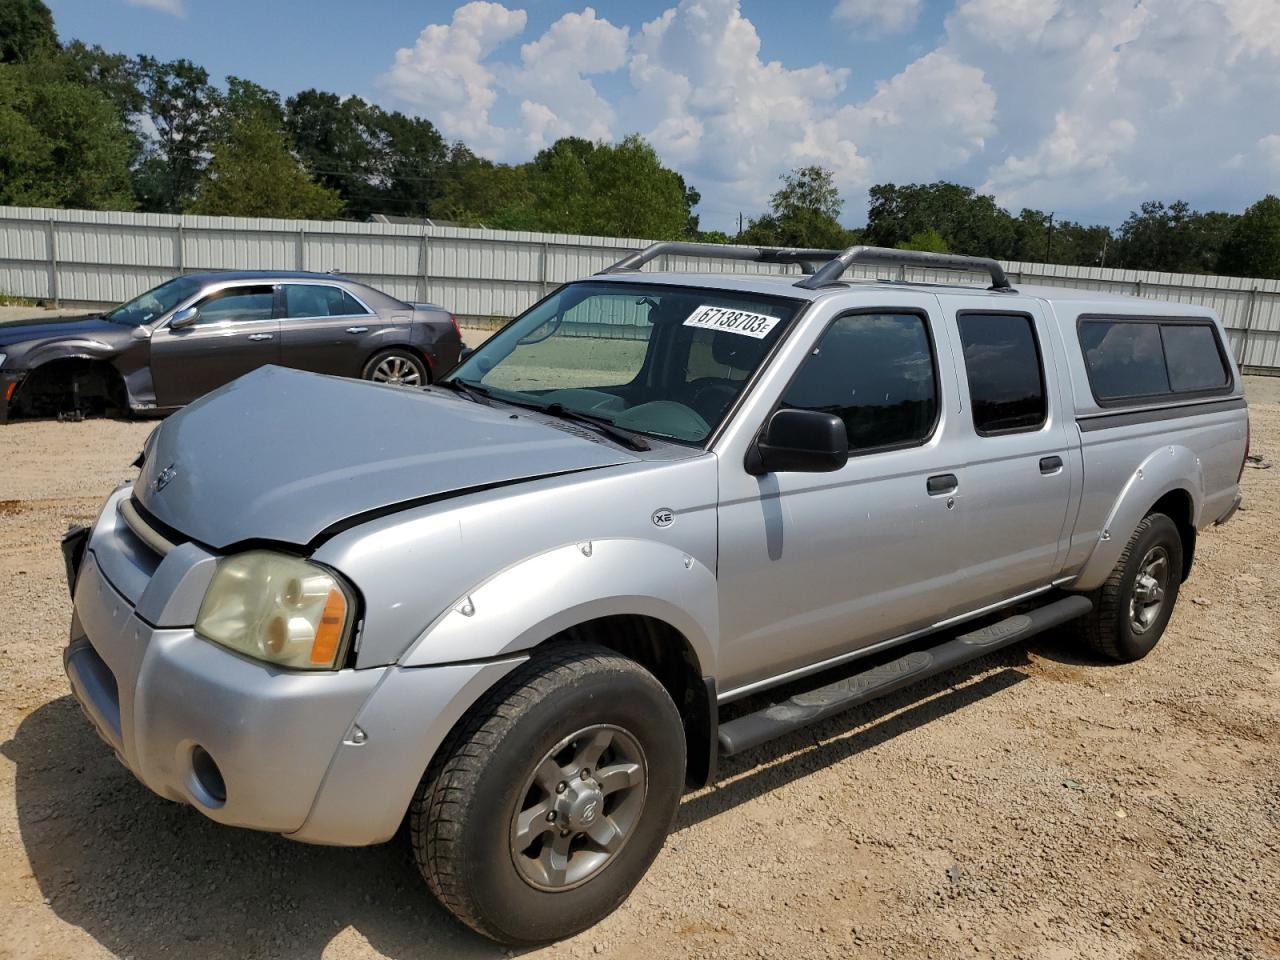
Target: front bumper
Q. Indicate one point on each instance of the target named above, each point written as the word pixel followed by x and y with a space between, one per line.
pixel 284 743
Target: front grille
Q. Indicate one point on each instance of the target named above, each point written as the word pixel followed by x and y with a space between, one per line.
pixel 159 538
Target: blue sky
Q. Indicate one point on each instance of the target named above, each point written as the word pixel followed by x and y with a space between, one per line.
pixel 1083 107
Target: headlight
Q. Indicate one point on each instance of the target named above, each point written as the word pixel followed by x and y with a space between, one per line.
pixel 2 359
pixel 279 609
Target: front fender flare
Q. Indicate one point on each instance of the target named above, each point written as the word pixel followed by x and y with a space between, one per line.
pixel 543 595
pixel 1171 468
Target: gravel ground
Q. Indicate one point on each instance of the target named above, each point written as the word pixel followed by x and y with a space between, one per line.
pixel 1036 804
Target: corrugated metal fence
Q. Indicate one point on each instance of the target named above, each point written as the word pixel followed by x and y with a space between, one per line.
pixel 90 257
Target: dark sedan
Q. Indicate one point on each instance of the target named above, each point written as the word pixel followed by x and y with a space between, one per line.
pixel 185 337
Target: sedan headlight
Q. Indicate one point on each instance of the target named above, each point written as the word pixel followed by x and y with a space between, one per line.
pixel 278 609
pixel 2 356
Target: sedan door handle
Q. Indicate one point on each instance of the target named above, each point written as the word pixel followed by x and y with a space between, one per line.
pixel 357 329
pixel 1050 465
pixel 942 484
pixel 259 336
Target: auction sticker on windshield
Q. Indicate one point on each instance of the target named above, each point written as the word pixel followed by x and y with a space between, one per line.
pixel 744 322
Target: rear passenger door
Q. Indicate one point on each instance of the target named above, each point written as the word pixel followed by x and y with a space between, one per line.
pixel 1022 471
pixel 325 329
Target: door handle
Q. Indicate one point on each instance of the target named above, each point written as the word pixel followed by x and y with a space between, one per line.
pixel 357 329
pixel 942 484
pixel 1050 465
pixel 259 336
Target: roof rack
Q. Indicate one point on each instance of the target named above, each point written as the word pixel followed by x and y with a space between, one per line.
pixel 808 259
pixel 834 262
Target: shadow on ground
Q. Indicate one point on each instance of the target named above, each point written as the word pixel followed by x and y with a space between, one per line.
pixel 148 879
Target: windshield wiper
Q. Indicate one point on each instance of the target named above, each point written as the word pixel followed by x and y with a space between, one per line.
pixel 632 441
pixel 473 392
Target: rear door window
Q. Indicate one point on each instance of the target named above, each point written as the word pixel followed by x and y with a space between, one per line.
pixel 302 300
pixel 1006 378
pixel 876 373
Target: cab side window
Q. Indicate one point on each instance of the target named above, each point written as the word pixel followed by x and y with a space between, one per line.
pixel 236 305
pixel 302 300
pixel 1005 372
pixel 876 373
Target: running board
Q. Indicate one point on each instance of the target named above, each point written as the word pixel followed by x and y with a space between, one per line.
pixel 811 706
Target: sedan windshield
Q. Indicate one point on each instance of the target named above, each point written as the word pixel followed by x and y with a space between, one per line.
pixel 155 303
pixel 663 360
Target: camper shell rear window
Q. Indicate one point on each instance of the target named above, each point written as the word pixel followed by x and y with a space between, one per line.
pixel 1140 359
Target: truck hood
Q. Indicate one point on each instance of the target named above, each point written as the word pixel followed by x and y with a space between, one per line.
pixel 284 455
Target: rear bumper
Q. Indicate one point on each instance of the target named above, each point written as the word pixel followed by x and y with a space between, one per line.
pixel 1231 510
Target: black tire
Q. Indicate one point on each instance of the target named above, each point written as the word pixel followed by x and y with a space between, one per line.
pixel 462 820
pixel 1111 630
pixel 397 365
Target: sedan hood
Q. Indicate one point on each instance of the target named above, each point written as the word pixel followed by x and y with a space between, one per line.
pixel 284 455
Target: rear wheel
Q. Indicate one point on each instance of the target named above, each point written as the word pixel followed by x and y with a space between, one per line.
pixel 548 803
pixel 398 366
pixel 1132 609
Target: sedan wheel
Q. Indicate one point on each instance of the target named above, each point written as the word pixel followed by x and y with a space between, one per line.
pixel 397 367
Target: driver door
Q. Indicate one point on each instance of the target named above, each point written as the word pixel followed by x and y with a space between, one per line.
pixel 235 332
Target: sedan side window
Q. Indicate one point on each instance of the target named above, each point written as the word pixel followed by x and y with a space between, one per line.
pixel 236 305
pixel 304 300
pixel 876 373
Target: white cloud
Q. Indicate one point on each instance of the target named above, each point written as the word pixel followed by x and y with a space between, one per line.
pixel 1081 106
pixel 879 16
pixel 175 7
pixel 444 76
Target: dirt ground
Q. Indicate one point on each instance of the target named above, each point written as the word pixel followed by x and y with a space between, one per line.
pixel 1034 805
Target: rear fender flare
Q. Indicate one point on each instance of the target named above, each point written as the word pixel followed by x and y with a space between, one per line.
pixel 1171 467
pixel 543 595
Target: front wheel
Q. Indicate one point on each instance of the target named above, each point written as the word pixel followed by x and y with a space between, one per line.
pixel 1132 609
pixel 400 367
pixel 549 801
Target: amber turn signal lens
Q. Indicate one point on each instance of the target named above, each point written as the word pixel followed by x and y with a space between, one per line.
pixel 8 391
pixel 329 634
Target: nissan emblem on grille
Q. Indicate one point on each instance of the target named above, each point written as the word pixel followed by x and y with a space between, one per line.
pixel 163 477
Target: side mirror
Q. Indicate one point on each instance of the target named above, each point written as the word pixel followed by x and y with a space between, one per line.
pixel 183 318
pixel 800 441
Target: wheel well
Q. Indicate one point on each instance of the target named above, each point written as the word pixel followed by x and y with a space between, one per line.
pixel 1178 506
pixel 663 650
pixel 71 383
pixel 407 348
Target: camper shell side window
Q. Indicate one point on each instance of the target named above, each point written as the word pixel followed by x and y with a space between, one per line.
pixel 1144 359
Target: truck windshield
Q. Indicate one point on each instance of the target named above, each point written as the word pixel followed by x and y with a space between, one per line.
pixel 650 358
pixel 153 304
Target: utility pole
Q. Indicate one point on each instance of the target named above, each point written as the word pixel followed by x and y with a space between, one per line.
pixel 1104 248
pixel 1048 243
pixel 739 222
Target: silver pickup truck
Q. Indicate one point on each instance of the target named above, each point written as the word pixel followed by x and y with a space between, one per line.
pixel 657 519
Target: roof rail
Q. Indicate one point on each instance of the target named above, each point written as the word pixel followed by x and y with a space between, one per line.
pixel 808 259
pixel 835 262
pixel 832 270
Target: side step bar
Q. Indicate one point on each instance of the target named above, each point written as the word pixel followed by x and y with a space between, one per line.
pixel 811 706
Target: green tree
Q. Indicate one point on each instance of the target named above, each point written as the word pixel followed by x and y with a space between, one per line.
pixel 970 223
pixel 1173 238
pixel 337 140
pixel 480 192
pixel 1252 249
pixel 253 174
pixel 26 31
pixel 62 143
pixel 182 107
pixel 930 241
pixel 802 213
